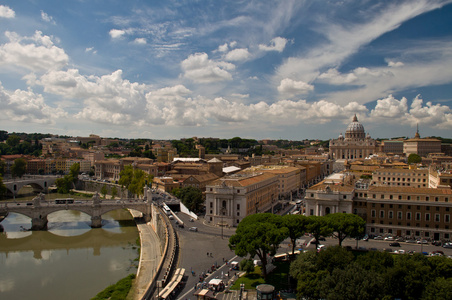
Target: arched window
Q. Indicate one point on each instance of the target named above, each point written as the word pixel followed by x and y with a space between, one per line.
pixel 327 211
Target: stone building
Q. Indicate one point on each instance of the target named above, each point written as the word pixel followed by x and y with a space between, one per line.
pixel 355 144
pixel 232 198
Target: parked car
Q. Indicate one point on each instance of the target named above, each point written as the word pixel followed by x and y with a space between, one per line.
pixel 379 237
pixel 193 228
pixel 395 244
pixel 447 245
pixel 422 242
pixel 389 238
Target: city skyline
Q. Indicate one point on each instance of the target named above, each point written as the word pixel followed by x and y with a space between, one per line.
pixel 293 70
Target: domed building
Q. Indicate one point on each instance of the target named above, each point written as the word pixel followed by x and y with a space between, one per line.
pixel 355 145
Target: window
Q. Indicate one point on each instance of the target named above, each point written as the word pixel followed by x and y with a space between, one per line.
pixel 408 197
pixel 399 215
pixel 311 212
pixel 382 213
pixel 238 206
pixel 373 213
pixel 427 217
pixel 447 218
pixel 437 217
pixel 390 214
pixel 382 205
pixel 418 216
pixel 408 216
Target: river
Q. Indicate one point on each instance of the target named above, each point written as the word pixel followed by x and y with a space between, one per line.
pixel 70 260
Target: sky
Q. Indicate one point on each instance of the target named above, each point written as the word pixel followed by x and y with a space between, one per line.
pixel 259 69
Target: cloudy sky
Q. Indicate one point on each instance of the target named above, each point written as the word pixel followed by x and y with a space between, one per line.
pixel 168 69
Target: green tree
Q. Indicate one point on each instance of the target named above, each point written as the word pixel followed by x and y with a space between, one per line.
pixel 114 192
pixel 440 288
pixel 13 140
pixel 104 191
pixel 2 186
pixel 414 159
pixel 297 226
pixel 134 180
pixel 258 234
pixel 247 265
pixel 64 184
pixel 74 171
pixel 191 197
pixel 318 227
pixel 352 282
pixel 19 168
pixel 2 168
pixel 345 225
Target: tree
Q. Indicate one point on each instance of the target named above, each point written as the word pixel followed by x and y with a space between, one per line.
pixel 191 197
pixel 114 192
pixel 104 191
pixel 296 226
pixel 134 180
pixel 441 288
pixel 345 225
pixel 2 186
pixel 318 227
pixel 13 140
pixel 247 265
pixel 64 184
pixel 2 167
pixel 74 171
pixel 19 168
pixel 258 234
pixel 414 159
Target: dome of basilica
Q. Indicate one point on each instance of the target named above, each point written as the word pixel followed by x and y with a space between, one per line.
pixel 355 130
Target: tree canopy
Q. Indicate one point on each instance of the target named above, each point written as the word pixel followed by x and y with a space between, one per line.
pixel 296 225
pixel 19 168
pixel 134 179
pixel 190 196
pixel 414 159
pixel 258 234
pixel 345 225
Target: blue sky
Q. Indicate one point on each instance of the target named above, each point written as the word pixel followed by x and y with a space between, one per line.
pixel 255 69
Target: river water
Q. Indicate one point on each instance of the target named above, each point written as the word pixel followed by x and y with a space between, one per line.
pixel 70 260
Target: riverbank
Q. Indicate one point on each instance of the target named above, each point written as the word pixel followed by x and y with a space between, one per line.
pixel 150 257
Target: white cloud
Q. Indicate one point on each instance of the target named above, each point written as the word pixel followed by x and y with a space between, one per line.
pixel 276 44
pixel 238 55
pixel 47 18
pixel 223 48
pixel 395 64
pixel 393 111
pixel 116 33
pixel 36 53
pixel 140 41
pixel 199 68
pixel 6 12
pixel 291 87
pixel 26 106
pixel 334 77
pixel 91 49
pixel 345 40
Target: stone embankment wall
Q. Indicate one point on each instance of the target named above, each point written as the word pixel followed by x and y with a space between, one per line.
pixel 169 245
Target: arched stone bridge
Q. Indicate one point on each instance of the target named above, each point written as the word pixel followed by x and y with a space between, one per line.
pixel 38 183
pixel 38 209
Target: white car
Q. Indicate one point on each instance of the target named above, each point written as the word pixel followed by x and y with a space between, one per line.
pixel 193 229
pixel 389 238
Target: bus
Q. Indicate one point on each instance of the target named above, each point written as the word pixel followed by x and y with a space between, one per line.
pixel 166 209
pixel 64 201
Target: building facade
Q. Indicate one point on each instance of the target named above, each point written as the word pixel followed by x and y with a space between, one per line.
pixel 232 198
pixel 355 144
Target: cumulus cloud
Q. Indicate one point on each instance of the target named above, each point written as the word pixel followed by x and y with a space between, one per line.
pixel 391 110
pixel 276 44
pixel 47 18
pixel 292 87
pixel 116 33
pixel 26 106
pixel 6 12
pixel 223 48
pixel 238 54
pixel 140 41
pixel 36 53
pixel 199 68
